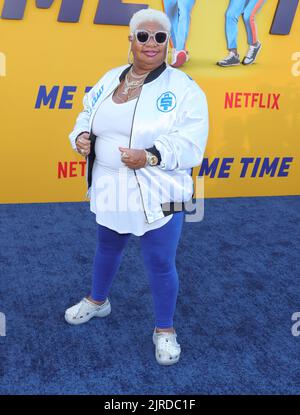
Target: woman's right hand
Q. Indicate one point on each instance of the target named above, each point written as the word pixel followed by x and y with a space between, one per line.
pixel 83 144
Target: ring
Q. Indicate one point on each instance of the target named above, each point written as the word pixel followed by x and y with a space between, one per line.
pixel 82 152
pixel 124 155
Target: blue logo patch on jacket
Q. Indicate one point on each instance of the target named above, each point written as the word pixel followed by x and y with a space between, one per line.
pixel 166 102
pixel 96 96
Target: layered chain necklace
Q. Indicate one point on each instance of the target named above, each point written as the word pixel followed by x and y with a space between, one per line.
pixel 132 81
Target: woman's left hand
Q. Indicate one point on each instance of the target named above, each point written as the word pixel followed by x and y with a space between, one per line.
pixel 135 159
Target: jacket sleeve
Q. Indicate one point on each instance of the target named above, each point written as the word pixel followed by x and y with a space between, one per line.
pixel 82 121
pixel 184 146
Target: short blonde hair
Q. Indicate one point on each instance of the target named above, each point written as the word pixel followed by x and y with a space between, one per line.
pixel 149 15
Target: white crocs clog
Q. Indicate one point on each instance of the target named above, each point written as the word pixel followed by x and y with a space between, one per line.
pixel 85 310
pixel 167 350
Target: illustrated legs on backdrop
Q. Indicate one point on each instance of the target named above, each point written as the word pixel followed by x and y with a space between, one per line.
pixel 179 13
pixel 248 9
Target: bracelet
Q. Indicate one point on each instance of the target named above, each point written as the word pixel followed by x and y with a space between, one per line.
pixel 147 161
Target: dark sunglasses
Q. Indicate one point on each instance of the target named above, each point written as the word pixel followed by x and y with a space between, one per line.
pixel 143 36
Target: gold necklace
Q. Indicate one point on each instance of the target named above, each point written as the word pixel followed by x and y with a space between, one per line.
pixel 136 75
pixel 128 97
pixel 136 82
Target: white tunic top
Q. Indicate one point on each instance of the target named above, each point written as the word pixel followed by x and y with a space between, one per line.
pixel 115 194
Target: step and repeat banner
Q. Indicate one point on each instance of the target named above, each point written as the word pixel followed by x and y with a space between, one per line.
pixel 52 52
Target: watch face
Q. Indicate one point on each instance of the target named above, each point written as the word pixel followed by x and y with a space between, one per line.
pixel 153 160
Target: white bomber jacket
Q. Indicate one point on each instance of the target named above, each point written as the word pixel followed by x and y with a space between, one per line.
pixel 171 114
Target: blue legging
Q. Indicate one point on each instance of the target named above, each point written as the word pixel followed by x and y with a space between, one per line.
pixel 158 248
pixel 247 8
pixel 179 13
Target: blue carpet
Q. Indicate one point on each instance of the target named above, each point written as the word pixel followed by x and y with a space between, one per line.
pixel 239 286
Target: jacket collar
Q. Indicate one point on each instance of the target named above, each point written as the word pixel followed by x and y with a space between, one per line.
pixel 150 77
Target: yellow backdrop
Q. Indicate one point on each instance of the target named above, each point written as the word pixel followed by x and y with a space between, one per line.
pixel 37 161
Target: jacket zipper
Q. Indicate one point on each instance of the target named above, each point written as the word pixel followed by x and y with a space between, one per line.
pixel 135 169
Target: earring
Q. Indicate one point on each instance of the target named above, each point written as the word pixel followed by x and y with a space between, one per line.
pixel 129 57
pixel 167 54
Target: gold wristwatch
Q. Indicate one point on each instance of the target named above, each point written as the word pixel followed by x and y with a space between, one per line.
pixel 152 160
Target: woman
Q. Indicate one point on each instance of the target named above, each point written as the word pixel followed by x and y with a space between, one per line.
pixel 143 127
pixel 179 12
pixel 249 9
